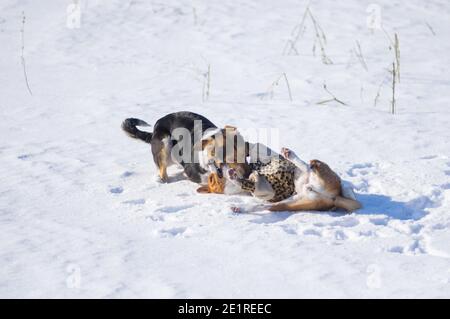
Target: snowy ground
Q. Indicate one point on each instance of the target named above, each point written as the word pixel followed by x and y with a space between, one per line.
pixel 81 214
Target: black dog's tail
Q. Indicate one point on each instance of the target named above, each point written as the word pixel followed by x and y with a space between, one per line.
pixel 129 126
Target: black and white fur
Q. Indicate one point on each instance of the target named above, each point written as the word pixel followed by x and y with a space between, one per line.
pixel 162 141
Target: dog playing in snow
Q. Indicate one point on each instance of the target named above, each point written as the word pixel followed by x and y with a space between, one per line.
pixel 164 139
pixel 282 179
pixel 252 168
pixel 317 187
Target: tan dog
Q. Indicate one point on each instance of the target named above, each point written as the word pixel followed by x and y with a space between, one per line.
pixel 250 168
pixel 317 188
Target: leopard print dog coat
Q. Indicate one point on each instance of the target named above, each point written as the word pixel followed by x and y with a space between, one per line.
pixel 279 172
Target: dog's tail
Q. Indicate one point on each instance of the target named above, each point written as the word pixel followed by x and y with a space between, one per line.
pixel 129 127
pixel 348 204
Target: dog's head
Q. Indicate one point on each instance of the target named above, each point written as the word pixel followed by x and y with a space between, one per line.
pixel 315 165
pixel 328 176
pixel 226 148
pixel 321 168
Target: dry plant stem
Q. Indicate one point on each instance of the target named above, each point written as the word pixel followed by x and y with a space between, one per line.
pixel 334 98
pixel 378 94
pixel 320 38
pixel 297 32
pixel 290 44
pixel 397 56
pixel 206 84
pixel 301 26
pixel 194 13
pixel 431 28
pixel 288 86
pixel 22 57
pixel 360 56
pixel 387 35
pixel 270 89
pixel 394 72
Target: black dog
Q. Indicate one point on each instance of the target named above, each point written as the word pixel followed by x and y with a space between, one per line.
pixel 162 141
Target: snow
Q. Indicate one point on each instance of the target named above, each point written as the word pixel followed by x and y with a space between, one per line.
pixel 82 215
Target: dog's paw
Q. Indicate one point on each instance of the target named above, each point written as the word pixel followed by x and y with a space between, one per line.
pixel 232 174
pixel 236 209
pixel 286 153
pixel 160 180
pixel 254 177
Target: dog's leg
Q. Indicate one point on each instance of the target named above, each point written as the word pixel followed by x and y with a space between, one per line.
pixel 161 150
pixel 263 189
pixel 294 159
pixel 256 184
pixel 250 208
pixel 259 207
pixel 348 199
pixel 192 171
pixel 245 184
pixel 162 161
pixel 304 205
pixel 348 204
pixel 163 172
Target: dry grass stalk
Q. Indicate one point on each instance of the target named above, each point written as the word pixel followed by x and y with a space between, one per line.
pixel 397 56
pixel 206 84
pixel 22 56
pixel 430 28
pixel 297 34
pixel 378 93
pixel 394 76
pixel 359 55
pixel 320 38
pixel 271 88
pixel 334 98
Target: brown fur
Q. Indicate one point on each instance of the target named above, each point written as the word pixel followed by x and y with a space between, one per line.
pixel 162 163
pixel 332 185
pixel 304 204
pixel 161 138
pixel 327 199
pixel 215 185
pixel 330 198
pixel 329 179
pixel 348 204
pixel 236 160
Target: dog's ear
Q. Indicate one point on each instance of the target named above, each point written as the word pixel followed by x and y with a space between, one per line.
pixel 203 189
pixel 207 141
